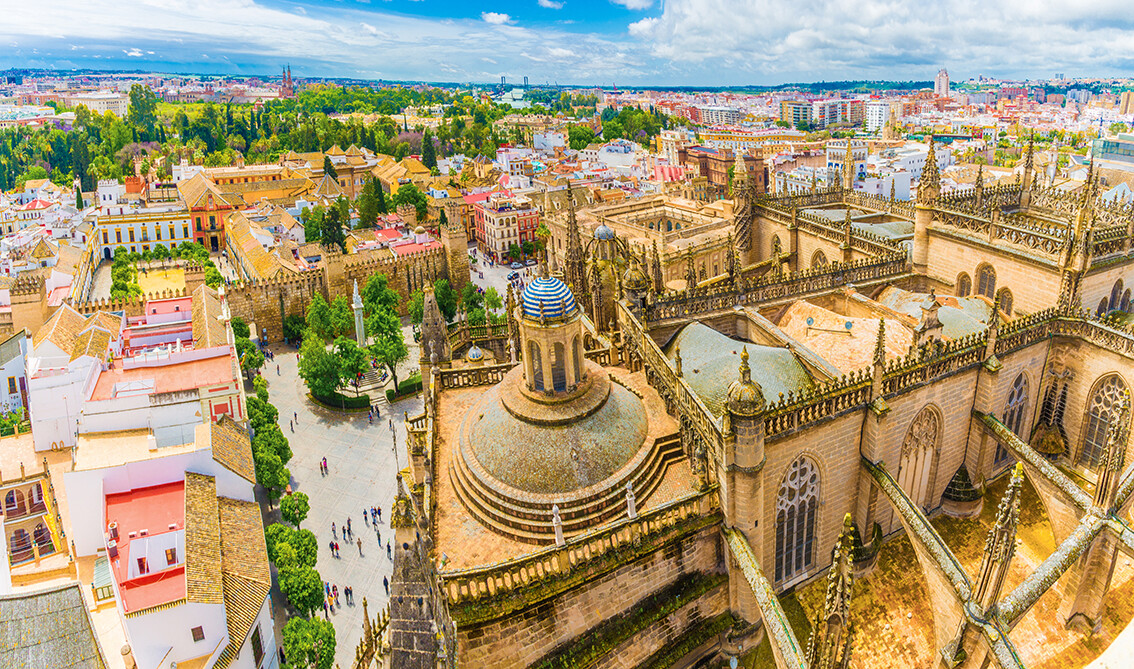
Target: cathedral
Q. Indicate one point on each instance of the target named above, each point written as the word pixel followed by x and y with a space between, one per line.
pixel 625 474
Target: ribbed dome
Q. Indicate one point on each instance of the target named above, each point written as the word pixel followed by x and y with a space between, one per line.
pixel 547 297
pixel 634 278
pixel 474 354
pixel 604 233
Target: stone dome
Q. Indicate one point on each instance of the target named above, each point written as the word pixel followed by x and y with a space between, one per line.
pixel 634 278
pixel 745 397
pixel 555 459
pixel 474 354
pixel 604 233
pixel 549 298
pixel 419 230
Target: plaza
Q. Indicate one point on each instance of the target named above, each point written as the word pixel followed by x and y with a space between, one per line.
pixel 362 461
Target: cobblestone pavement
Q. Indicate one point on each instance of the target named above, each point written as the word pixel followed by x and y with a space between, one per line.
pixel 363 466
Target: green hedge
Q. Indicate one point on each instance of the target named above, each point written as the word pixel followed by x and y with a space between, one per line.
pixel 340 401
pixel 407 387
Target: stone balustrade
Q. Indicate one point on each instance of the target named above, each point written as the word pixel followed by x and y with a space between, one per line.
pixel 467 377
pixel 470 592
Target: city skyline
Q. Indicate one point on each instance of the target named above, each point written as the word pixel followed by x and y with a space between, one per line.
pixel 580 42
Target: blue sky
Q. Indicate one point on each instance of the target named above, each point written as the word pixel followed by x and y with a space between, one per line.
pixel 628 42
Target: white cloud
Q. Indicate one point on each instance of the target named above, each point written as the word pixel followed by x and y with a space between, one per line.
pixel 496 18
pixel 369 28
pixel 550 4
pixel 634 4
pixel 769 41
pixel 133 53
pixel 559 52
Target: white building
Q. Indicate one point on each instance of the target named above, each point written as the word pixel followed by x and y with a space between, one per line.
pixel 101 102
pixel 837 153
pixel 549 140
pixel 877 114
pixel 717 115
pixel 941 84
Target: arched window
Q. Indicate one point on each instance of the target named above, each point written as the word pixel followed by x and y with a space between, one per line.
pixel 818 259
pixel 558 367
pixel 536 367
pixel 577 356
pixel 35 499
pixel 1116 295
pixel 19 545
pixel 777 246
pixel 1014 410
pixel 14 503
pixel 43 539
pixel 1005 301
pixel 1125 306
pixel 796 507
pixel 1100 411
pixel 918 450
pixel 964 285
pixel 1101 311
pixel 986 281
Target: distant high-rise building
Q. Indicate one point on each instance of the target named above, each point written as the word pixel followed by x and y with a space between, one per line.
pixel 941 84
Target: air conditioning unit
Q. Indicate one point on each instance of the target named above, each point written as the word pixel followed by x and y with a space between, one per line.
pixel 112 528
pixel 143 532
pixel 112 549
pixel 173 526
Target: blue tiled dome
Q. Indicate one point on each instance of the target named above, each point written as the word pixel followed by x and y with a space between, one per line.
pixel 554 296
pixel 604 233
pixel 474 354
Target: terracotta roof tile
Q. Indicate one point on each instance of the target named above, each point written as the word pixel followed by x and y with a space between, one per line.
pixel 246 577
pixel 208 330
pixel 62 329
pixel 94 342
pixel 203 541
pixel 232 448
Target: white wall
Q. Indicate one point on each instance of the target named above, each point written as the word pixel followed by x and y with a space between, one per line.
pixel 166 636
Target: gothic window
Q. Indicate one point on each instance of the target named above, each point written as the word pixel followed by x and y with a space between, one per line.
pixel 986 281
pixel 1116 296
pixel 918 450
pixel 1014 410
pixel 558 367
pixel 777 247
pixel 1005 301
pixel 796 507
pixel 1125 306
pixel 1100 410
pixel 818 259
pixel 964 285
pixel 1101 311
pixel 536 365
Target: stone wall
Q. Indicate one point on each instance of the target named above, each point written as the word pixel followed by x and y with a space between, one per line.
pixel 524 637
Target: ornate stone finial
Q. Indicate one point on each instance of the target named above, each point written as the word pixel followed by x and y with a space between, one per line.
pixel 1000 544
pixel 979 183
pixel 1114 456
pixel 829 645
pixel 929 187
pixel 880 343
pixel 631 503
pixel 893 190
pixel 745 397
pixel 848 166
pixel 677 359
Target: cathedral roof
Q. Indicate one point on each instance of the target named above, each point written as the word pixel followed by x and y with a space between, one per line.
pixel 547 297
pixel 604 232
pixel 709 361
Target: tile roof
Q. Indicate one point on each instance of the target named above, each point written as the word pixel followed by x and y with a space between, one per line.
pixel 94 342
pixel 42 251
pixel 264 264
pixel 203 541
pixel 246 577
pixel 327 187
pixel 112 323
pixel 62 329
pixel 208 330
pixel 232 448
pixel 194 191
pixel 48 628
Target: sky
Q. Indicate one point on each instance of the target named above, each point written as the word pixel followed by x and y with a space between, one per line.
pixel 583 42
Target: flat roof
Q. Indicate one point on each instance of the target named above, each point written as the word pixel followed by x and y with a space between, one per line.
pixel 166 378
pixel 97 450
pixel 152 509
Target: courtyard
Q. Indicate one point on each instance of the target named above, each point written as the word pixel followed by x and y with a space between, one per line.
pixel 362 460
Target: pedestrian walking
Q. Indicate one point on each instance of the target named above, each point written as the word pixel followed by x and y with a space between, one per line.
pixel 370 419
pixel 379 534
pixel 333 531
pixel 386 585
pixel 379 514
pixel 348 524
pixel 365 516
pixel 325 615
pixel 277 370
pixel 360 548
pixel 336 549
pixel 373 514
pixel 335 590
pixel 331 547
pixel 326 469
pixel 326 588
pixel 388 553
pixel 295 415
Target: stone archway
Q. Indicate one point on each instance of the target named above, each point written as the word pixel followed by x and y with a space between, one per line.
pixel 919 450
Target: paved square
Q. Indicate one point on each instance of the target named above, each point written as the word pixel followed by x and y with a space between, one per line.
pixel 362 469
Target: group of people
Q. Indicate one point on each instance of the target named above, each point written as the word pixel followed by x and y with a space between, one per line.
pixel 372 517
pixel 332 597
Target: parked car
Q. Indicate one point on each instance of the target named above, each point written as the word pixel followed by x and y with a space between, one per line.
pixel 531 261
pixel 512 275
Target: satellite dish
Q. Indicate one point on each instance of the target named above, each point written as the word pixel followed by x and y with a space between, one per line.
pixel 849 325
pixel 810 321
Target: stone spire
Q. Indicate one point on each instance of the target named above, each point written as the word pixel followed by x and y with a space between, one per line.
pixel 1000 545
pixel 574 269
pixel 656 270
pixel 978 186
pixel 893 190
pixel 880 343
pixel 743 205
pixel 929 187
pixel 1029 161
pixel 745 397
pixel 830 643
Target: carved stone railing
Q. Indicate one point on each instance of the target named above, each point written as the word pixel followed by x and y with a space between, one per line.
pixel 1100 334
pixel 1110 241
pixel 598 355
pixel 461 333
pixel 771 287
pixel 483 593
pixel 838 396
pixel 468 377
